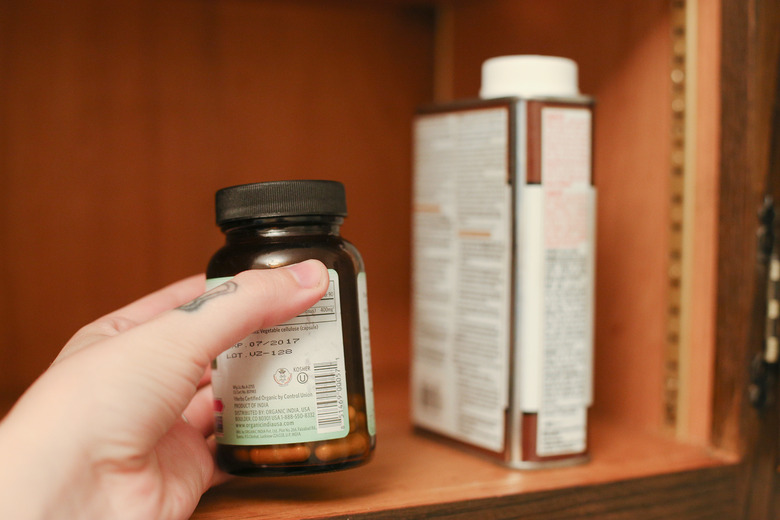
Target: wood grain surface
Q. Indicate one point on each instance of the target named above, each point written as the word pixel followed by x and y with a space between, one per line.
pixel 120 119
pixel 414 476
pixel 750 95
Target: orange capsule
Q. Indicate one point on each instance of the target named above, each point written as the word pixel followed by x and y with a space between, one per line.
pixel 241 454
pixel 358 443
pixel 352 416
pixel 360 421
pixel 280 455
pixel 357 401
pixel 332 450
pixel 351 445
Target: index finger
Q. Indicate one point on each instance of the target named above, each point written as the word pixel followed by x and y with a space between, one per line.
pixel 133 314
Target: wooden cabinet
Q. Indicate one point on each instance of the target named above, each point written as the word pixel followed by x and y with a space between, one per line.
pixel 121 119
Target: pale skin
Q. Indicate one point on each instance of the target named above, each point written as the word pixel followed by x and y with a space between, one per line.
pixel 120 425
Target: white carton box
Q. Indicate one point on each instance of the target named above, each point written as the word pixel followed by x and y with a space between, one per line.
pixel 503 276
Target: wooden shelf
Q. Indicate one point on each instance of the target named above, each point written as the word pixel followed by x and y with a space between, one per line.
pixel 412 471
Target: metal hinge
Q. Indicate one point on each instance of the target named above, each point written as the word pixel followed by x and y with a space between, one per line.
pixel 764 367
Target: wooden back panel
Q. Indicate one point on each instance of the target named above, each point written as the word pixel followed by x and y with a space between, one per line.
pixel 120 119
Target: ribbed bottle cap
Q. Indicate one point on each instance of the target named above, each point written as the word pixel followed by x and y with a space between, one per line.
pixel 529 76
pixel 280 199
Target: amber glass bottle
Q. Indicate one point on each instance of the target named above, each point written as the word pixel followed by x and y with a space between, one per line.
pixel 295 398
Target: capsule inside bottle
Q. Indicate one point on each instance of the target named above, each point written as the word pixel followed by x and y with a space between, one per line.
pixel 351 450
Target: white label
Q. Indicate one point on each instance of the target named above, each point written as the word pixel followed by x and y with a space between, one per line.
pixel 285 384
pixel 561 431
pixel 461 275
pixel 567 271
pixel 531 310
pixel 365 342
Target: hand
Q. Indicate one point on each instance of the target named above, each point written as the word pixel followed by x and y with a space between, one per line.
pixel 101 433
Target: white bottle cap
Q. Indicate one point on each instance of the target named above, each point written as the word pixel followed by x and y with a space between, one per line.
pixel 529 76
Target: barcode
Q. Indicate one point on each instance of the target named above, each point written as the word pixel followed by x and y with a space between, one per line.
pixel 327 391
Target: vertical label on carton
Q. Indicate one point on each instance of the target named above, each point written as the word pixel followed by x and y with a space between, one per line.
pixel 285 384
pixel 461 275
pixel 568 272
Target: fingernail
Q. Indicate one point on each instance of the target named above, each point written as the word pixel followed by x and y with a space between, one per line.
pixel 308 274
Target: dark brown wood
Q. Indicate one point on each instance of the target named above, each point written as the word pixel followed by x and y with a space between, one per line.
pixel 776 510
pixel 695 495
pixel 741 195
pixel 761 499
pixel 750 57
